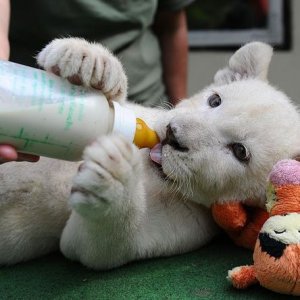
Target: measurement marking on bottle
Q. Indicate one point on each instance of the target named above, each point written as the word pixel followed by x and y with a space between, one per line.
pixel 20 133
pixel 27 141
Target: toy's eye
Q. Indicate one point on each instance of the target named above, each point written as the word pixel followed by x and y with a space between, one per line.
pixel 240 152
pixel 280 231
pixel 214 100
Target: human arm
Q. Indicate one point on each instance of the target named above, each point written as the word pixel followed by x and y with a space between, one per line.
pixel 4 25
pixel 171 30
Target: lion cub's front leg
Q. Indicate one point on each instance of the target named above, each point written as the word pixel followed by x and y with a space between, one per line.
pixel 85 63
pixel 108 205
pixel 107 198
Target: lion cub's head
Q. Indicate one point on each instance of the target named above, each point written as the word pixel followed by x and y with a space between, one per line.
pixel 223 142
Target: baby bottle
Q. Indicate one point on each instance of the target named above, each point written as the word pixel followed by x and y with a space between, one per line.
pixel 43 114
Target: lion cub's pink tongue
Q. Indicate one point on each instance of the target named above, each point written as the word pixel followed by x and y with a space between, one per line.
pixel 155 153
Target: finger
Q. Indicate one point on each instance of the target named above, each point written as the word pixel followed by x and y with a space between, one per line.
pixel 8 153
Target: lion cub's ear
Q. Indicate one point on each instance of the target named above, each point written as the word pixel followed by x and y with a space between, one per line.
pixel 250 61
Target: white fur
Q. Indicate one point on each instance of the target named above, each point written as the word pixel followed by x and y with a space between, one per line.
pixel 283 228
pixel 121 208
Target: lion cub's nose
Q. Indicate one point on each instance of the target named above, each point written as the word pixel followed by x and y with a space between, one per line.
pixel 172 140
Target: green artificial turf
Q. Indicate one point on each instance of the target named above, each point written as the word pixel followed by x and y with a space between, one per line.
pixel 197 275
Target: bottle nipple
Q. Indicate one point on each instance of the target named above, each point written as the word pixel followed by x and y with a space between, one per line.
pixel 144 136
pixel 134 129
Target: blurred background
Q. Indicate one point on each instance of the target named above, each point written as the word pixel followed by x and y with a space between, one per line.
pixel 232 23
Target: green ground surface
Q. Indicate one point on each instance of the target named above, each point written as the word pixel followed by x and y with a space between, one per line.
pixel 197 275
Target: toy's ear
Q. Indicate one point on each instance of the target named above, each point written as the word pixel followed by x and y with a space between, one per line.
pixel 250 61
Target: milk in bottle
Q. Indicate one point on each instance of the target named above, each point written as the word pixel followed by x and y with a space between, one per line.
pixel 43 114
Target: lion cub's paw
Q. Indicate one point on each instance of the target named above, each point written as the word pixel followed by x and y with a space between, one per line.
pixel 104 179
pixel 85 63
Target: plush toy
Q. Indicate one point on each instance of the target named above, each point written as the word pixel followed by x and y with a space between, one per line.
pixel 277 249
pixel 241 222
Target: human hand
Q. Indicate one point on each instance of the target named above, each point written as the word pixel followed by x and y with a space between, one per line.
pixel 9 153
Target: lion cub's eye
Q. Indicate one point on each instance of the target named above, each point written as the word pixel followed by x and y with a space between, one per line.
pixel 214 100
pixel 240 152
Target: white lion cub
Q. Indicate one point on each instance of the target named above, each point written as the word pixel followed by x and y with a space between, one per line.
pixel 123 206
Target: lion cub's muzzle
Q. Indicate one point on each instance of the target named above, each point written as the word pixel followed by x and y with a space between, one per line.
pixel 172 140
